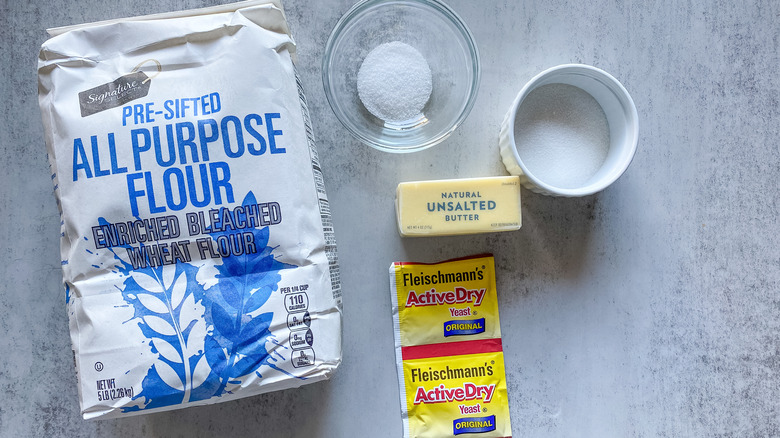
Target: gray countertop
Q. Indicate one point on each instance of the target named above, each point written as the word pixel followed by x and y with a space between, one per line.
pixel 651 309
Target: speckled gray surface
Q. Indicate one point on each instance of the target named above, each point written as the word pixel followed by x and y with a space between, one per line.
pixel 649 310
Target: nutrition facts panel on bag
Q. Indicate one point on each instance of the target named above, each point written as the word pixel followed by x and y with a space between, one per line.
pixel 319 182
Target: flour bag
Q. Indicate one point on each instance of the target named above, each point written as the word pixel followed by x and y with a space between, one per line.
pixel 198 254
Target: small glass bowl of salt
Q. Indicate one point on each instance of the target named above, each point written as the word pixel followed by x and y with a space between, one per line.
pixel 401 75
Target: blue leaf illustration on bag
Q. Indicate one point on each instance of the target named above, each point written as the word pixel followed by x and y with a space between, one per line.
pixel 168 309
pixel 204 339
pixel 237 344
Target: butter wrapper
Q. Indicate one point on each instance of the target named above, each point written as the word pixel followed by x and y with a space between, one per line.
pixel 458 206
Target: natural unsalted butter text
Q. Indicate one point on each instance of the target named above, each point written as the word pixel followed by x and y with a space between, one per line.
pixel 458 206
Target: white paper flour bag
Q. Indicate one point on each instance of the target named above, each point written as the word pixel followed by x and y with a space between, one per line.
pixel 198 253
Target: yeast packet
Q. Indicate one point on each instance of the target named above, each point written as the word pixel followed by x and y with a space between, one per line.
pixel 449 354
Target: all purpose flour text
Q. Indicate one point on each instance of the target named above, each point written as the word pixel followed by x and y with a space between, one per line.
pixel 181 152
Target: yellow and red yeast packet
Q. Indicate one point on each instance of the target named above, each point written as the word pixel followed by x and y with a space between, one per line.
pixel 448 347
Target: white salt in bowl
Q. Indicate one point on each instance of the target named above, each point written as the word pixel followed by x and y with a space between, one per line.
pixel 571 131
pixel 428 27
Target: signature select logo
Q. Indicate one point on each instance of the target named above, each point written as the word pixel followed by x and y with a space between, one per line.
pixel 129 87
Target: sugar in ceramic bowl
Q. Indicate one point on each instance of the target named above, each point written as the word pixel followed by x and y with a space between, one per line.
pixel 620 136
pixel 427 27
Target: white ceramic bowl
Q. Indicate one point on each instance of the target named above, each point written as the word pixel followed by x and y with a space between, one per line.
pixel 621 117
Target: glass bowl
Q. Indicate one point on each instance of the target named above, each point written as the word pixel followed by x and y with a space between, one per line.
pixel 431 28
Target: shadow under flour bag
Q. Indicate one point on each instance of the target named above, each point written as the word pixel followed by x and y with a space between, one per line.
pixel 198 254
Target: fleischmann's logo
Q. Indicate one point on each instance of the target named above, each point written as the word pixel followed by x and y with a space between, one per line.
pixel 423 279
pixel 129 87
pixel 450 373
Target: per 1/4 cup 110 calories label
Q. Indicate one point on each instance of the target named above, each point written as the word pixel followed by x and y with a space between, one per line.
pixel 449 354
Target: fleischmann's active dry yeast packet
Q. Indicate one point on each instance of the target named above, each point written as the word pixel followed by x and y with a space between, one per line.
pixel 448 347
pixel 198 254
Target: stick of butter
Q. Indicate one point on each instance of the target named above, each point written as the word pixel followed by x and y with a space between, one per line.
pixel 458 206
